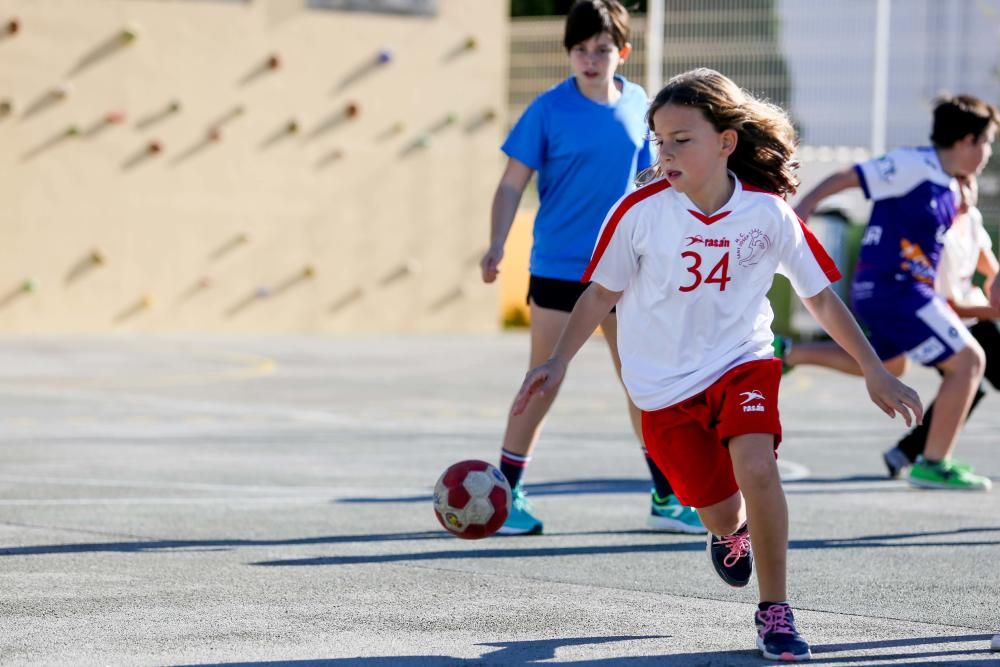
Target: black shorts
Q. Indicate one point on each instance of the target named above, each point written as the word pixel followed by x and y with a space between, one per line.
pixel 555 294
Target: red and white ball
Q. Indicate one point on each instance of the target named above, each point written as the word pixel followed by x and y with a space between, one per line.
pixel 472 499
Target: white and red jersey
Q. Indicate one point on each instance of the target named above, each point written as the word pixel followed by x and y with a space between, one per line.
pixel 964 241
pixel 695 286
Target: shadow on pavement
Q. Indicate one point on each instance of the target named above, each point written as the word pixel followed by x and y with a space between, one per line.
pixel 193 545
pixel 881 484
pixel 537 651
pixel 568 487
pixel 861 542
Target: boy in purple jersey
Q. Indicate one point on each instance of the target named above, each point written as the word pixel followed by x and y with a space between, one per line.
pixel 915 199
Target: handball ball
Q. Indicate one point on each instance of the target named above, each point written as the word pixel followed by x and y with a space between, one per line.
pixel 472 499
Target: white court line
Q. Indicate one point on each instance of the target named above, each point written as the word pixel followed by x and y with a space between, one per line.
pixel 192 407
pixel 791 471
pixel 246 367
pixel 153 484
pixel 232 500
pixel 195 407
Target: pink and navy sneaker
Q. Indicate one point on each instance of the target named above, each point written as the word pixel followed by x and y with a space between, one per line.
pixel 731 556
pixel 777 637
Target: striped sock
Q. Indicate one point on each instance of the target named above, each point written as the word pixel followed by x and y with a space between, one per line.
pixel 660 483
pixel 512 466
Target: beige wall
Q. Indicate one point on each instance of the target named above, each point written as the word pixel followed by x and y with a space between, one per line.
pixel 165 223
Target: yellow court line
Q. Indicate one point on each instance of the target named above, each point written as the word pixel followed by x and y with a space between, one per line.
pixel 251 366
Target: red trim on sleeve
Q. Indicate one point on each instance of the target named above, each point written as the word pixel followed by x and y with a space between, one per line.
pixel 609 229
pixel 819 252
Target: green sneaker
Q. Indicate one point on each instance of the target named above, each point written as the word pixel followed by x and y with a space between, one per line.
pixel 961 466
pixel 947 475
pixel 520 521
pixel 669 516
pixel 782 346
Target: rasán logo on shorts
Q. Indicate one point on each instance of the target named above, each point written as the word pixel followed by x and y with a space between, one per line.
pixel 750 396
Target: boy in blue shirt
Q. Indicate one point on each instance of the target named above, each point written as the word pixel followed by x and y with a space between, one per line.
pixel 586 138
pixel 915 199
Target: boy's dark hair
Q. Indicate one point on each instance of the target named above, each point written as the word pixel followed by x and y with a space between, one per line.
pixel 957 117
pixel 588 18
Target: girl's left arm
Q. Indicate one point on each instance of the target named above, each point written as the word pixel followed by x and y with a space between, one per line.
pixel 886 391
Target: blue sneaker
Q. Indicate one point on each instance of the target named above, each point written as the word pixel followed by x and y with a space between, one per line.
pixel 669 516
pixel 520 521
pixel 777 637
pixel 896 462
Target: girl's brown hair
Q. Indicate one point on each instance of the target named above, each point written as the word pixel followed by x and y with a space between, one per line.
pixel 765 136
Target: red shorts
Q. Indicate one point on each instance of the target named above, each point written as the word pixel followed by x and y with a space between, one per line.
pixel 689 440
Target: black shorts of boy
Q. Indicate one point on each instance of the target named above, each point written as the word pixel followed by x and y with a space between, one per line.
pixel 555 294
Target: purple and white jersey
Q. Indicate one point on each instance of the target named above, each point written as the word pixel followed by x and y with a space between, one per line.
pixel 914 204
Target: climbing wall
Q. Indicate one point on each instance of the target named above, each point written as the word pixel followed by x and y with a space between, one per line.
pixel 226 166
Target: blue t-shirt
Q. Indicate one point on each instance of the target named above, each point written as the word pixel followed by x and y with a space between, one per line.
pixel 915 202
pixel 587 155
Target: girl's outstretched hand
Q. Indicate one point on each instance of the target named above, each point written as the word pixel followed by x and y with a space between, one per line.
pixel 893 396
pixel 540 380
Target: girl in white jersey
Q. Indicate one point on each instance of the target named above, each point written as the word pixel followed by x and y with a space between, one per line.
pixel 688 260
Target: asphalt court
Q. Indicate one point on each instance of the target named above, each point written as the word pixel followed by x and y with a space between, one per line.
pixel 216 501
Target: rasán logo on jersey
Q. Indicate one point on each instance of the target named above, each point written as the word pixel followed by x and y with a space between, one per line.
pixel 708 243
pixel 751 246
pixel 749 397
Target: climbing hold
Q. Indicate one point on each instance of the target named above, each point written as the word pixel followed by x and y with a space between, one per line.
pixel 28 285
pixel 471 43
pixel 292 127
pixel 262 292
pixel 352 110
pixel 97 257
pixel 128 35
pixel 13 26
pixel 309 271
pixel 114 118
pixel 384 57
pixel 215 135
pixel 154 147
pixel 274 61
pixel 61 91
pixel 72 131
